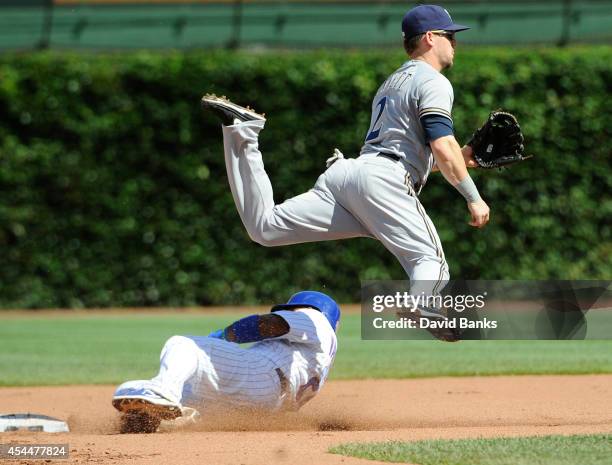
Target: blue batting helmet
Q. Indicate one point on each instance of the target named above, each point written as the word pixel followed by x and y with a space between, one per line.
pixel 313 299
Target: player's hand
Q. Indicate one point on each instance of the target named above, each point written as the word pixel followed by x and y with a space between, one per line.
pixel 337 155
pixel 468 157
pixel 218 334
pixel 480 213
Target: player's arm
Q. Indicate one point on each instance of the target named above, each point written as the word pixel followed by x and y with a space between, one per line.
pixel 450 161
pixel 253 328
pixel 468 158
pixel 434 104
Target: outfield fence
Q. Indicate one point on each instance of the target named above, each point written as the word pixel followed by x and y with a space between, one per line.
pixel 120 24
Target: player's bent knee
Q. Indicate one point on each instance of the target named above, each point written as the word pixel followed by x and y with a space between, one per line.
pixel 264 238
pixel 179 343
pixel 256 237
pixel 269 242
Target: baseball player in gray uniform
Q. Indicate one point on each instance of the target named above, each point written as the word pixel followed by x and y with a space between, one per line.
pixel 376 194
pixel 293 351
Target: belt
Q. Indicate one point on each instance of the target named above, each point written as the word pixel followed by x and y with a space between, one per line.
pixel 389 155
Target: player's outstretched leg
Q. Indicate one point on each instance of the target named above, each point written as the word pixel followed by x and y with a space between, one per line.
pixel 145 403
pixel 312 216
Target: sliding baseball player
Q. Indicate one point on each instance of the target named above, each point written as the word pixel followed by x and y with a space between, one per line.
pixel 293 351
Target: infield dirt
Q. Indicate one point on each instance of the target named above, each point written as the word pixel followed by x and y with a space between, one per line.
pixel 371 410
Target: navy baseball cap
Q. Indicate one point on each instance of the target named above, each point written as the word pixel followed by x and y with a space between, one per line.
pixel 425 18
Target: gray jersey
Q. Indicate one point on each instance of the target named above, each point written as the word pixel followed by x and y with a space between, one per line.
pixel 415 90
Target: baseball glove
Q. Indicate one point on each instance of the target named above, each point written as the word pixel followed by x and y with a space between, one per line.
pixel 498 142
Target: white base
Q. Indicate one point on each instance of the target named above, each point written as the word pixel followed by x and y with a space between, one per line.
pixel 32 422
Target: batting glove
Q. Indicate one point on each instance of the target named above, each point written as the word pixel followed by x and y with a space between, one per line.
pixel 218 334
pixel 338 155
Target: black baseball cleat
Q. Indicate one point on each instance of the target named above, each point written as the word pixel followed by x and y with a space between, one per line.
pixel 438 324
pixel 229 113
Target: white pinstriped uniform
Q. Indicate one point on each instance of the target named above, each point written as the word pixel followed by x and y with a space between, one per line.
pixel 369 196
pixel 203 372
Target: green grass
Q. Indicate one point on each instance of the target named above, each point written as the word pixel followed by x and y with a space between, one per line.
pixel 100 349
pixel 548 450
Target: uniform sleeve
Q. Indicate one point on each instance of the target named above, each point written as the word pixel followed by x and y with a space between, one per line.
pixel 435 97
pixel 436 126
pixel 305 326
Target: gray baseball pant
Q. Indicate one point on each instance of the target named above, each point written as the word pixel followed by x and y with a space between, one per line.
pixel 370 196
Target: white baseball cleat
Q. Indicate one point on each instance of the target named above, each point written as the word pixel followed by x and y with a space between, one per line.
pixel 190 416
pixel 229 113
pixel 149 399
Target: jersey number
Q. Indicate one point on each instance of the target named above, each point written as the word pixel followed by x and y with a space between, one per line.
pixel 374 133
